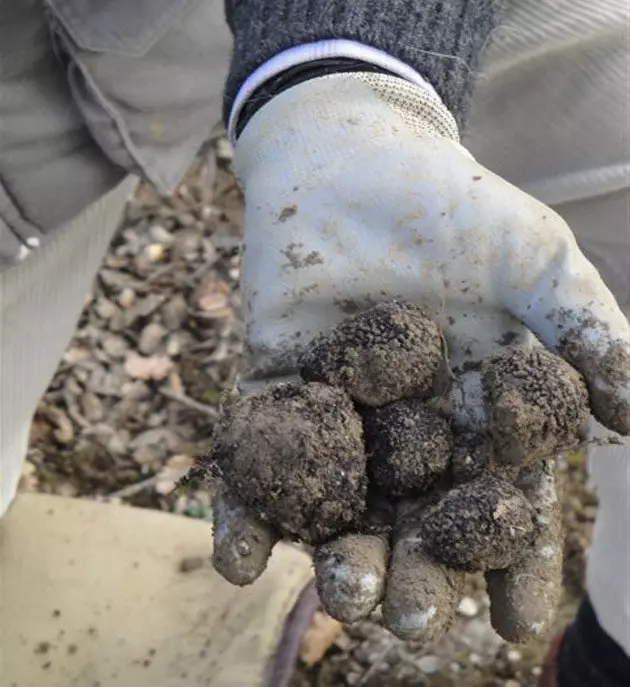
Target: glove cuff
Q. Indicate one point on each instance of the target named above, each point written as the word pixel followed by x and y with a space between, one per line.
pixel 393 80
pixel 423 112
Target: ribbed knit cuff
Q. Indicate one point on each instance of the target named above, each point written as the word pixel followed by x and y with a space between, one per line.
pixel 441 39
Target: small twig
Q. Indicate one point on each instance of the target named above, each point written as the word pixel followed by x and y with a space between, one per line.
pixel 206 410
pixel 133 489
pixel 174 476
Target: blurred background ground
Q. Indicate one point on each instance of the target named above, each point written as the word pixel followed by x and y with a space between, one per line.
pixel 136 395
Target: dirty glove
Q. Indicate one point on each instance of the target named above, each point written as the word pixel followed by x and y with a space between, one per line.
pixel 358 191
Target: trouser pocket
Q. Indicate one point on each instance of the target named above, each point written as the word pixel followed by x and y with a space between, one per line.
pixel 147 79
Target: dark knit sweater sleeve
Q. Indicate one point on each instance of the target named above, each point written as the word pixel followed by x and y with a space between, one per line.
pixel 441 39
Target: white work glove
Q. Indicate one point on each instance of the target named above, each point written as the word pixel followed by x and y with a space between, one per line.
pixel 357 191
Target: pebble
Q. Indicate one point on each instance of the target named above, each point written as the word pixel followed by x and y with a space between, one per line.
pixel 115 346
pixel 174 311
pixel 511 683
pixel 92 407
pixel 514 656
pixel 173 346
pixel 468 607
pixel 186 219
pixel 154 252
pixel 224 150
pixel 127 297
pixel 160 235
pixel 429 664
pixel 104 308
pixel 151 338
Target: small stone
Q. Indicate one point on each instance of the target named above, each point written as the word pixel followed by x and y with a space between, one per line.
pixel 536 671
pixel 174 312
pixel 514 656
pixel 154 252
pixel 160 235
pixel 475 659
pixel 187 243
pixel 127 298
pixel 66 489
pixel 224 150
pixel 511 683
pixel 468 607
pixel 186 219
pixel 91 407
pixel 429 664
pixel 151 338
pixel 104 309
pixel 207 211
pixel 173 346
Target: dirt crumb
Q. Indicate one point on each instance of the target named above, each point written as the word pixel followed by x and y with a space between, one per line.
pixel 294 453
pixel 471 457
pixel 389 352
pixel 190 563
pixel 408 445
pixel 43 647
pixel 536 403
pixel 480 525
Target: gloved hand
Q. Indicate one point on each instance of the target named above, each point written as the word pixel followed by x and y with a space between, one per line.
pixel 357 191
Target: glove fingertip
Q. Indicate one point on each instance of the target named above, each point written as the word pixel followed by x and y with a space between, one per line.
pixel 350 574
pixel 522 610
pixel 524 597
pixel 242 544
pixel 421 596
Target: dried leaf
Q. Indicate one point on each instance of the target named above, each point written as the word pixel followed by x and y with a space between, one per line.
pixel 64 431
pixel 320 636
pixel 211 295
pixel 154 367
pixel 28 478
pixel 175 468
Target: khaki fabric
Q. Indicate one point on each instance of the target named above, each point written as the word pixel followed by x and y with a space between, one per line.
pixel 41 299
pixel 92 90
pixel 92 595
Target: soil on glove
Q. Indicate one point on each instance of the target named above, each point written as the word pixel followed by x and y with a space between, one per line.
pixel 525 596
pixel 350 573
pixel 608 407
pixel 389 352
pixel 471 457
pixel 409 447
pixel 294 453
pixel 480 525
pixel 422 592
pixel 537 404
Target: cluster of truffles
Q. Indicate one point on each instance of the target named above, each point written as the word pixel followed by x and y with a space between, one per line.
pixel 366 419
